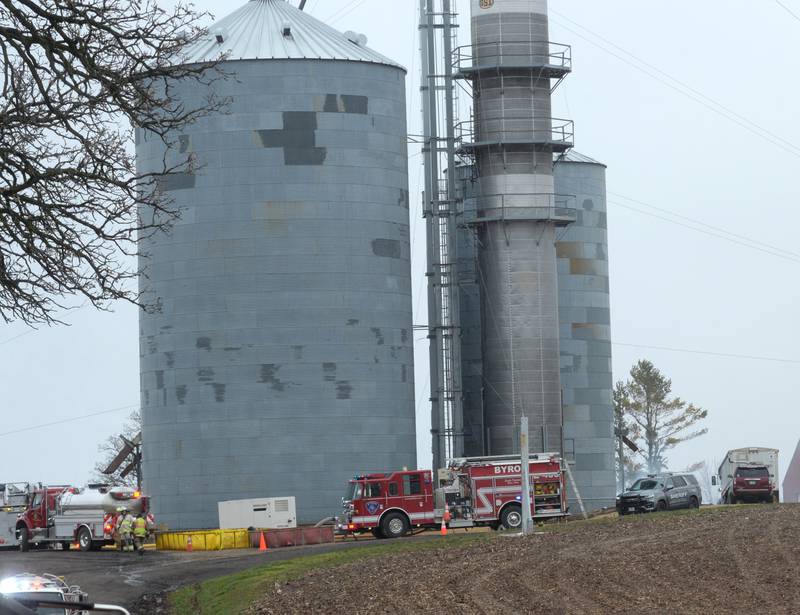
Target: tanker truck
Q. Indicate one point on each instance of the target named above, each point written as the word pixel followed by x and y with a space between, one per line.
pixel 86 515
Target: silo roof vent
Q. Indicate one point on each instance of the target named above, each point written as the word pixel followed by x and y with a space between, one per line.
pixel 278 30
pixel 356 38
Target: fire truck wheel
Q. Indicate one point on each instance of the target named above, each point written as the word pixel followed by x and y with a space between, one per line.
pixel 376 531
pixel 394 525
pixel 85 539
pixel 511 517
pixel 24 539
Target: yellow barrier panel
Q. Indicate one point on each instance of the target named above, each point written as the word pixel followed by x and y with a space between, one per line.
pixel 210 540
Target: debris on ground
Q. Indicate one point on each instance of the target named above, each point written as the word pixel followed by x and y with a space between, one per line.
pixel 150 604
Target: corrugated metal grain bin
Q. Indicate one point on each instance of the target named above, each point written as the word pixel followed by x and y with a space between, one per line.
pixel 281 360
pixel 584 310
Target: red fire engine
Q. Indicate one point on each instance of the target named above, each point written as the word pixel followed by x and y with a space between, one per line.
pixel 475 491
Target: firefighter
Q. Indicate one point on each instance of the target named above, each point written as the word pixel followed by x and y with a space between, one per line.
pixel 117 533
pixel 126 529
pixel 139 533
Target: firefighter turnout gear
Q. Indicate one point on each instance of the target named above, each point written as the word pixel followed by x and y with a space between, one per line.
pixel 139 533
pixel 116 534
pixel 126 531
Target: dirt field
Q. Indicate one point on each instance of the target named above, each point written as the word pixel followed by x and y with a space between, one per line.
pixel 714 561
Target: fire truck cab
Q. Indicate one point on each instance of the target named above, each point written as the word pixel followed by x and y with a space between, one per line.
pixel 389 504
pixel 470 492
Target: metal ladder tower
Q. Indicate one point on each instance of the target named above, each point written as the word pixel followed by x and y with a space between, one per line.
pixel 440 208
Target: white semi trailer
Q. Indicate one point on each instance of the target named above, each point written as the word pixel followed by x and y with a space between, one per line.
pixel 749 475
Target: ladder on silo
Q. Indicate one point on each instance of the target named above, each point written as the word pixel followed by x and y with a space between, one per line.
pixel 437 29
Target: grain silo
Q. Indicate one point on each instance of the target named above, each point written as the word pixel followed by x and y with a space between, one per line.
pixel 511 65
pixel 281 360
pixel 585 323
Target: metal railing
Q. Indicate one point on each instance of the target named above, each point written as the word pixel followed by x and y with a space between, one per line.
pixel 509 129
pixel 527 206
pixel 551 58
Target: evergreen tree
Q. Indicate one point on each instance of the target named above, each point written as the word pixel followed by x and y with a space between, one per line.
pixel 661 420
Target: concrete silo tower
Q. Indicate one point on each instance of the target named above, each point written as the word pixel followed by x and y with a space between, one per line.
pixel 512 139
pixel 281 360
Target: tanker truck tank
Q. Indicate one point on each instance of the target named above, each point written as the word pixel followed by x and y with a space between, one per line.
pixel 76 501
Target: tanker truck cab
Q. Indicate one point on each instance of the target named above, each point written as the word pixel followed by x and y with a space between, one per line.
pixel 65 515
pixel 388 504
pixel 33 523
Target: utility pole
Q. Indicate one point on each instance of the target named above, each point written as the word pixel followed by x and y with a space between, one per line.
pixel 527 518
pixel 621 460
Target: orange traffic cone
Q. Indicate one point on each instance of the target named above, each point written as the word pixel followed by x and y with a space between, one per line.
pixel 262 545
pixel 444 528
pixel 189 544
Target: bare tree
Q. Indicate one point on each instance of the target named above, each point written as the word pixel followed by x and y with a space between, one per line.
pixel 109 449
pixel 663 421
pixel 78 76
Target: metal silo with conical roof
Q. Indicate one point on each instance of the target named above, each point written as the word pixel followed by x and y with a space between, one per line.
pixel 280 362
pixel 584 307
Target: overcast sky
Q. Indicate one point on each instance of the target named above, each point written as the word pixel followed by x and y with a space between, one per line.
pixel 693 107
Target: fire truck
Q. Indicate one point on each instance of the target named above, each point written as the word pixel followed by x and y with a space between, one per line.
pixel 14 500
pixel 63 515
pixel 470 492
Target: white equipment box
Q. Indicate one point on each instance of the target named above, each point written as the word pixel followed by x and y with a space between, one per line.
pixel 262 513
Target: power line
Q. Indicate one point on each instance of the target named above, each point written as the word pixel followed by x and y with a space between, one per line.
pixel 788 10
pixel 16 337
pixel 687 90
pixel 705 352
pixel 69 420
pixel 784 256
pixel 710 226
pixel 344 11
pixel 710 353
pixel 33 330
